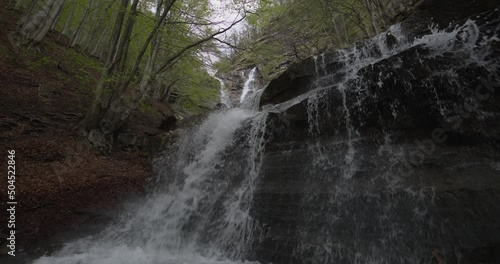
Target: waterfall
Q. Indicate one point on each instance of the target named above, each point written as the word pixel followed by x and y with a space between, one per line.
pixel 250 84
pixel 349 180
pixel 198 211
pixel 224 94
pixel 320 177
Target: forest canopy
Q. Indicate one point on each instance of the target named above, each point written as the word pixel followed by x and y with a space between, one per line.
pixel 163 50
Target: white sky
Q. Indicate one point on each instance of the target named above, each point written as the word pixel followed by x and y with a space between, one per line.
pixel 227 11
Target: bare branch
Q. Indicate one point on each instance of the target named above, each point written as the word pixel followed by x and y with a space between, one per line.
pixel 168 63
pixel 229 44
pixel 148 40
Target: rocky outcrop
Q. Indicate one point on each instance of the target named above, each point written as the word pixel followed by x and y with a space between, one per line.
pixel 444 12
pixel 448 206
pixel 399 90
pixel 305 29
pixel 388 151
pixel 235 81
pixel 428 13
pixel 148 129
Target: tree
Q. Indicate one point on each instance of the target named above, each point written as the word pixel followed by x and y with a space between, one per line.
pixel 145 54
pixel 34 26
pixel 282 31
pixel 119 92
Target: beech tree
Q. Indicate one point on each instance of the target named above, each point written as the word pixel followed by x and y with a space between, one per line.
pixel 281 31
pixel 140 49
pixel 38 19
pixel 119 92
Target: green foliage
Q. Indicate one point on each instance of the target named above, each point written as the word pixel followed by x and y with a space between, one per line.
pixel 84 21
pixel 223 65
pixel 282 31
pixel 267 10
pixel 197 89
pixel 88 25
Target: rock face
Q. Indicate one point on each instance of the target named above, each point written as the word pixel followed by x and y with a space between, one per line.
pixel 387 152
pixel 235 82
pixel 437 13
pixel 305 29
pixel 444 12
pixel 314 215
pixel 147 132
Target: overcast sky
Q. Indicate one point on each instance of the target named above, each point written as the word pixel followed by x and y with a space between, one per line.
pixel 225 10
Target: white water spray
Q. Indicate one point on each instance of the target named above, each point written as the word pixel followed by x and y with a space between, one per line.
pixel 175 224
pixel 224 94
pixel 250 84
pixel 203 216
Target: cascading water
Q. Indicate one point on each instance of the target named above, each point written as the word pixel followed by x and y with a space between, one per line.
pixel 250 84
pixel 224 94
pixel 375 184
pixel 199 210
pixel 329 176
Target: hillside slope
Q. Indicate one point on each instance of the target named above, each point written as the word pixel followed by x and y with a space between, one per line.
pixel 61 180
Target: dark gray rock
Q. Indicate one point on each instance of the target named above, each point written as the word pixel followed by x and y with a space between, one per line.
pixel 399 164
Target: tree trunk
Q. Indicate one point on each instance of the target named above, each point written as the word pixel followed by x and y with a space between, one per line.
pixel 101 99
pixel 97 47
pixel 97 30
pixel 150 65
pixel 67 24
pixel 110 111
pixel 115 101
pixel 19 5
pixel 24 18
pixel 33 23
pixel 54 12
pixel 167 91
pixel 35 27
pixel 52 24
pixel 122 51
pixel 144 48
pixel 76 34
pixel 115 36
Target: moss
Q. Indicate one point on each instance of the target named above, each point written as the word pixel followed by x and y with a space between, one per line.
pixel 81 61
pixel 148 108
pixel 40 62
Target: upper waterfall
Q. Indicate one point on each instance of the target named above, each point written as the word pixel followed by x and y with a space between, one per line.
pixel 250 84
pixel 224 94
